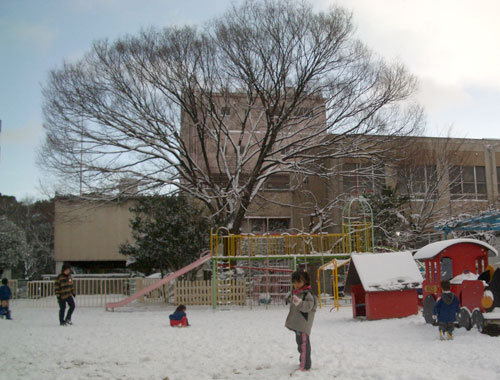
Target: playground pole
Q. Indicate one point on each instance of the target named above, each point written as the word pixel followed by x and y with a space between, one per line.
pixel 214 283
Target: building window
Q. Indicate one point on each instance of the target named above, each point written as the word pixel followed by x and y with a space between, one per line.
pixel 278 225
pixel 304 112
pixel 268 225
pixel 225 111
pixel 362 178
pixel 468 182
pixel 418 182
pixel 277 182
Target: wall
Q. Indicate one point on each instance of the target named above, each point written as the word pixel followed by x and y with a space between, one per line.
pixel 90 231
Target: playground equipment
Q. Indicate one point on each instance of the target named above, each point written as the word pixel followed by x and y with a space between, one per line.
pixel 360 225
pixel 263 263
pixel 464 262
pixel 333 266
pixel 266 261
pixel 203 259
pixel 383 285
pixel 487 221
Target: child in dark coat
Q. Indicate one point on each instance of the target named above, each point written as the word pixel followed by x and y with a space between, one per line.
pixel 301 316
pixel 179 318
pixel 5 296
pixel 446 309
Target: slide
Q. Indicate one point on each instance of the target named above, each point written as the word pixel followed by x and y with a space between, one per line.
pixel 156 285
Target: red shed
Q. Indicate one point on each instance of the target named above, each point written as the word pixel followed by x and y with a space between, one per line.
pixel 383 285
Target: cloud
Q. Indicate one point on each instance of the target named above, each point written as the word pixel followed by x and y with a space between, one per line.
pixel 34 36
pixel 454 42
pixel 437 96
pixel 29 133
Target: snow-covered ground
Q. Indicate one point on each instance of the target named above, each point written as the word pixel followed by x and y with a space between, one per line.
pixel 138 343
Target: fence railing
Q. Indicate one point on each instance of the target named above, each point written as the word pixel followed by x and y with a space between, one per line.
pixel 13 285
pixel 230 292
pixel 92 292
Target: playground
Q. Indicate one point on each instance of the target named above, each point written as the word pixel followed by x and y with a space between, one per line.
pixel 137 343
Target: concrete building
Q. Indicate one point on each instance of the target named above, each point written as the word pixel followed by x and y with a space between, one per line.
pixel 88 234
pixel 443 177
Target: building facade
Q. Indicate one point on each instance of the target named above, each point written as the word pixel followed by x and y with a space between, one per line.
pixel 449 176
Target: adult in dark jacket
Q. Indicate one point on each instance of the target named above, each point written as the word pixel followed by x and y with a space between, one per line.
pixel 5 296
pixel 446 309
pixel 65 291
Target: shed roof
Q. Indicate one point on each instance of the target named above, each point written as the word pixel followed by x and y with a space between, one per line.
pixel 433 249
pixel 386 271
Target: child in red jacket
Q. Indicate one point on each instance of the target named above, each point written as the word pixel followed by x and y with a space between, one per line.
pixel 179 318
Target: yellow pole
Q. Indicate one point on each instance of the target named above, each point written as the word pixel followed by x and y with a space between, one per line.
pixel 319 288
pixel 337 304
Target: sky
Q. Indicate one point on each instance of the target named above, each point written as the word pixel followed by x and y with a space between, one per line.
pixel 450 45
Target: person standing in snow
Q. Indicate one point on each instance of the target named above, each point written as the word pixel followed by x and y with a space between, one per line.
pixel 179 317
pixel 5 296
pixel 445 310
pixel 301 316
pixel 64 289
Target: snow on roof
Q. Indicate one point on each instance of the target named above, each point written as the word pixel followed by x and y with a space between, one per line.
pixel 387 271
pixel 433 249
pixel 331 265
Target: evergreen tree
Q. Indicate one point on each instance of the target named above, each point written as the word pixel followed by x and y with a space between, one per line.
pixel 389 221
pixel 12 244
pixel 169 232
pixel 29 226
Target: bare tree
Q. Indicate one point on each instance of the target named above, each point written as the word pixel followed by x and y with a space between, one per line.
pixel 424 172
pixel 270 88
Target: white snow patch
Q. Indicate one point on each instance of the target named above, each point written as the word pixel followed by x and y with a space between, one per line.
pixel 469 276
pixel 137 343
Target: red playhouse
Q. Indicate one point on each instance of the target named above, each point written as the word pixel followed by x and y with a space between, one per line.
pixel 463 262
pixel 383 285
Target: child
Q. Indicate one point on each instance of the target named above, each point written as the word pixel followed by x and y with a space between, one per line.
pixel 179 318
pixel 5 296
pixel 301 316
pixel 446 309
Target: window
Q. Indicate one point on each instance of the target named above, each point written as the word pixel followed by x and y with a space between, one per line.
pixel 468 182
pixel 418 182
pixel 446 269
pixel 270 225
pixel 362 178
pixel 277 182
pixel 224 111
pixel 278 225
pixel 304 112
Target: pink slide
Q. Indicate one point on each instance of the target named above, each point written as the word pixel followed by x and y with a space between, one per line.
pixel 163 281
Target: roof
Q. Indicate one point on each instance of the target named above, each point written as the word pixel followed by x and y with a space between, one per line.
pixel 387 271
pixel 433 249
pixel 331 264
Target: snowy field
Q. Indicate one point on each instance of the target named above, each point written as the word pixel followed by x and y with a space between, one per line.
pixel 138 343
